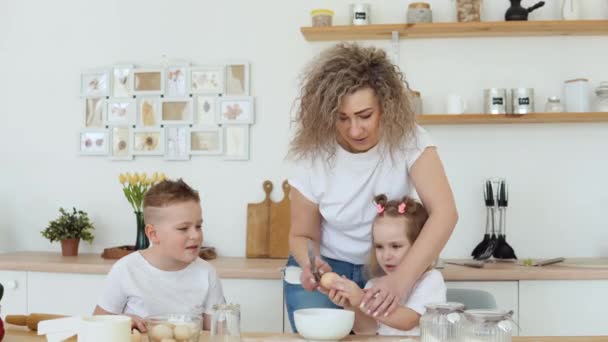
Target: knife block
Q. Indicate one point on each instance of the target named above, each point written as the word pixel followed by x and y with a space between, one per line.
pixel 268 225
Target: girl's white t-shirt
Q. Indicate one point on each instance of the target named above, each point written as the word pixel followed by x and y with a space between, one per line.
pixel 344 188
pixel 429 289
pixel 135 287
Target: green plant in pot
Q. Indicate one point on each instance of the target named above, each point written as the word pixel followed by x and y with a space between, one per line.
pixel 70 228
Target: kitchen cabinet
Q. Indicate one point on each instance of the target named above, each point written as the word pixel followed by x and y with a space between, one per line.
pixel 14 300
pixel 261 302
pixel 563 307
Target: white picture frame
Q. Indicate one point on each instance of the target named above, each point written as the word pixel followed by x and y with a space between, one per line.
pixel 236 142
pixel 93 142
pixel 120 143
pixel 177 80
pixel 206 140
pixel 236 110
pixel 176 111
pixel 148 81
pixel 122 80
pixel 120 112
pixel 176 143
pixel 236 81
pixel 207 79
pixel 205 110
pixel 95 83
pixel 94 112
pixel 148 111
pixel 148 141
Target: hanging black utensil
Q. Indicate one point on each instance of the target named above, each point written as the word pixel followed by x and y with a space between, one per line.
pixel 487 252
pixel 483 244
pixel 503 249
pixel 517 12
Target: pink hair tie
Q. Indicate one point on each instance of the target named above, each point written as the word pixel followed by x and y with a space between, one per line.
pixel 401 208
pixel 380 208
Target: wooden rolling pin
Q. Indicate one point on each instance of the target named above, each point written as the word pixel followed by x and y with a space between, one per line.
pixel 31 320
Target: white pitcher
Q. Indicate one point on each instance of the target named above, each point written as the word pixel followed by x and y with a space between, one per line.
pixel 571 10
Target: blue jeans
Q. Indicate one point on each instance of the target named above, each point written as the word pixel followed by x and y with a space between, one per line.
pixel 297 298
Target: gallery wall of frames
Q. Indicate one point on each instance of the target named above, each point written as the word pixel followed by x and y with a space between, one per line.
pixel 174 112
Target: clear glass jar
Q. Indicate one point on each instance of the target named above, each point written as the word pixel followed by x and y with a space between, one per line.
pixel 601 103
pixel 321 17
pixel 419 12
pixel 442 323
pixel 554 105
pixel 468 10
pixel 487 326
pixel 226 323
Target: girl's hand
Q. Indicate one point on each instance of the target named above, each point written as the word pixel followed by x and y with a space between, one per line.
pixel 349 290
pixel 338 299
pixel 138 323
pixel 307 279
pixel 384 296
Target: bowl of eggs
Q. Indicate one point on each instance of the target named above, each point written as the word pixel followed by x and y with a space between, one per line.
pixel 324 324
pixel 174 327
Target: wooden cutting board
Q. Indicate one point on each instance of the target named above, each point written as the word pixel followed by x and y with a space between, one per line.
pixel 268 225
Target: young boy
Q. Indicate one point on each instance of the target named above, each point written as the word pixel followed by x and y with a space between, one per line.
pixel 168 277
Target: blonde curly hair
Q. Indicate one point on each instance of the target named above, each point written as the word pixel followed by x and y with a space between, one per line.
pixel 339 71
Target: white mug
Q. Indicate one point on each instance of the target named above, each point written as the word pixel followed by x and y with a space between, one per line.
pixel 455 104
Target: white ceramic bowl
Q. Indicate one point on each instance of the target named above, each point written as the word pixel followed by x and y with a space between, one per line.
pixel 324 324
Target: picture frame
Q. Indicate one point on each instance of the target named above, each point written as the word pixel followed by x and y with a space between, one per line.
pixel 94 112
pixel 176 143
pixel 236 110
pixel 95 83
pixel 205 110
pixel 122 82
pixel 177 82
pixel 206 141
pixel 148 81
pixel 148 141
pixel 148 111
pixel 207 80
pixel 120 112
pixel 93 142
pixel 236 82
pixel 120 143
pixel 236 142
pixel 176 111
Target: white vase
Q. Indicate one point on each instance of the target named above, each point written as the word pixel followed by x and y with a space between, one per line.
pixel 571 10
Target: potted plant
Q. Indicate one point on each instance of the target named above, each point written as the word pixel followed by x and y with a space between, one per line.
pixel 70 228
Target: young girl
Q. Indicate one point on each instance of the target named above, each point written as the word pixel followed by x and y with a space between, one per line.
pixel 395 229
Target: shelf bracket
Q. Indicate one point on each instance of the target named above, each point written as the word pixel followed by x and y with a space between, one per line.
pixel 395 47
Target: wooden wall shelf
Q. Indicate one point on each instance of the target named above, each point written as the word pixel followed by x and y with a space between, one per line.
pixel 454 30
pixel 467 119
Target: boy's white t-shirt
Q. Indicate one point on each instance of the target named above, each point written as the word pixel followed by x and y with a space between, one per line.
pixel 135 287
pixel 430 288
pixel 344 189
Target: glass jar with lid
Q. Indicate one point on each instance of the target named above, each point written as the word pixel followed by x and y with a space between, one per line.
pixel 487 326
pixel 442 322
pixel 419 12
pixel 468 10
pixel 554 105
pixel 601 103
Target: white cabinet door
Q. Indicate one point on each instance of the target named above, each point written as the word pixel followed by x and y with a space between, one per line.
pixel 567 308
pixel 261 303
pixel 14 301
pixel 64 293
pixel 505 293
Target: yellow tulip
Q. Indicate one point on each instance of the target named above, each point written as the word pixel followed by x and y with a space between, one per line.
pixel 154 177
pixel 122 179
pixel 162 177
pixel 143 178
pixel 136 177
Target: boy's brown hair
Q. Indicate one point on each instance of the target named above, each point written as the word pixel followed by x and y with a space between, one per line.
pixel 169 192
pixel 415 216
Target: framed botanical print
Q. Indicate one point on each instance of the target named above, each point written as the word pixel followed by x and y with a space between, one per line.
pixel 236 142
pixel 236 110
pixel 176 143
pixel 207 80
pixel 148 81
pixel 177 81
pixel 148 111
pixel 95 83
pixel 206 141
pixel 120 112
pixel 176 111
pixel 205 112
pixel 94 142
pixel 122 81
pixel 94 112
pixel 148 141
pixel 237 79
pixel 120 143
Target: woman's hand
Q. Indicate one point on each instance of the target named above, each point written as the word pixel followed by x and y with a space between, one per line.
pixel 384 296
pixel 138 323
pixel 307 279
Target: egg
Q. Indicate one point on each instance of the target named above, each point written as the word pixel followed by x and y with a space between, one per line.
pixel 327 279
pixel 168 340
pixel 161 331
pixel 182 332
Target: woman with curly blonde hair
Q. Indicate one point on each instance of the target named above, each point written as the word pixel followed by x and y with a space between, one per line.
pixel 357 137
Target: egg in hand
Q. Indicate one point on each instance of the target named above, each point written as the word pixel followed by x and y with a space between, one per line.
pixel 327 279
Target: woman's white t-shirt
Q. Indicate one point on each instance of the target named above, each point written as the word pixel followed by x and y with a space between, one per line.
pixel 135 287
pixel 430 288
pixel 344 188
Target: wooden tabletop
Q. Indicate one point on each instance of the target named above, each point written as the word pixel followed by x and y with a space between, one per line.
pixel 18 334
pixel 234 267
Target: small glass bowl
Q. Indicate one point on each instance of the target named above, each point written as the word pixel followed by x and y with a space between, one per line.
pixel 180 327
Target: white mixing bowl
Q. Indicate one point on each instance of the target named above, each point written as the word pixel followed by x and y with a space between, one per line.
pixel 324 324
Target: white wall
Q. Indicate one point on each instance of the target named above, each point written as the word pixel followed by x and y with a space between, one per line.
pixel 557 172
